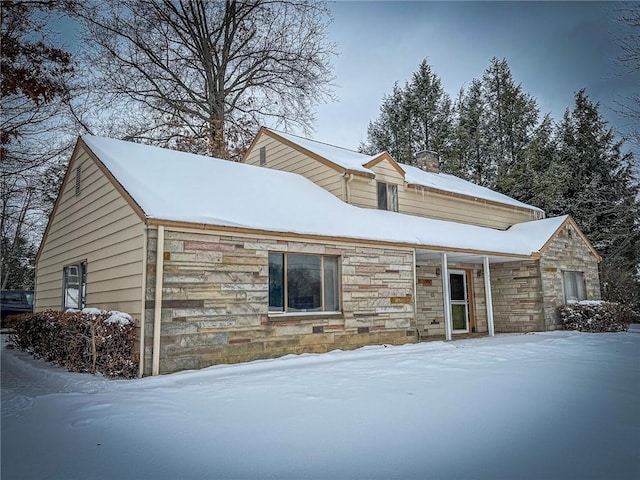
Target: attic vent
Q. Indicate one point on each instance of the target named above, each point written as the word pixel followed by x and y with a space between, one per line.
pixel 78 179
pixel 263 156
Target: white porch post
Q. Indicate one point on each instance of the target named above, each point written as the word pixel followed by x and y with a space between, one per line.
pixel 446 296
pixel 157 313
pixel 489 301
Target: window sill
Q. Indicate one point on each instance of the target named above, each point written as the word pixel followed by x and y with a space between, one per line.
pixel 279 316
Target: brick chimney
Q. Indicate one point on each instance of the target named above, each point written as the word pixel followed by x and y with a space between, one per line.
pixel 428 160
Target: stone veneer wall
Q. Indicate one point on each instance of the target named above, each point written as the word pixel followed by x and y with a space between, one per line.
pixel 567 252
pixel 430 301
pixel 215 301
pixel 517 296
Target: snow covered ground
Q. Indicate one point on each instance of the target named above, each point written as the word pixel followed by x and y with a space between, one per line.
pixel 555 405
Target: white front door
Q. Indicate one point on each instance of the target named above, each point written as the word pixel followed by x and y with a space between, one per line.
pixel 459 301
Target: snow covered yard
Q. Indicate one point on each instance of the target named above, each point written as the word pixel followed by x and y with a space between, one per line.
pixel 555 405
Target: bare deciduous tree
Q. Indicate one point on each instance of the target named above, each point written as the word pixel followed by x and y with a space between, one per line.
pixel 202 75
pixel 33 91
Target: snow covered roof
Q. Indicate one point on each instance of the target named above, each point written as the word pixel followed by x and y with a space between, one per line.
pixel 351 160
pixel 453 184
pixel 343 157
pixel 177 186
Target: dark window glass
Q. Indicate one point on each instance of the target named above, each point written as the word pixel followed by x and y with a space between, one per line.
pixel 304 283
pixel 456 282
pixel 276 282
pixel 382 196
pixel 263 156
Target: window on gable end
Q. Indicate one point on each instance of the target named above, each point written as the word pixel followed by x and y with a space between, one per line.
pixel 574 287
pixel 74 286
pixel 263 156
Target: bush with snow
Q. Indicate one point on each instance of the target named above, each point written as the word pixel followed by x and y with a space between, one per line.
pixel 90 340
pixel 595 316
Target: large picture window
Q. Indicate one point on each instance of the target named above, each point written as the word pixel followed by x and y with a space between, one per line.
pixel 574 289
pixel 303 283
pixel 74 286
pixel 387 197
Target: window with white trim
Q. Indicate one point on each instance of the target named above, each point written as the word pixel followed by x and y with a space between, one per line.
pixel 387 196
pixel 303 283
pixel 574 286
pixel 74 286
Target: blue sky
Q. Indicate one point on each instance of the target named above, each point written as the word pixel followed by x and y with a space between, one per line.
pixel 553 48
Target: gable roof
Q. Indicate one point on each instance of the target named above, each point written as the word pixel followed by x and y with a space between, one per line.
pixel 355 162
pixel 172 186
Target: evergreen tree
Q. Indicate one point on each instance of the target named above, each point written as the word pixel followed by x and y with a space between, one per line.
pixel 600 191
pixel 469 156
pixel 536 179
pixel 429 110
pixel 511 117
pixel 390 132
pixel 413 118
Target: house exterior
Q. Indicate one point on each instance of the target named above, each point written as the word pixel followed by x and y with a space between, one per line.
pixel 303 247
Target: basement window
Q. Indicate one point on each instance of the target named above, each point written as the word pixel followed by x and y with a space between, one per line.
pixel 574 287
pixel 74 286
pixel 387 197
pixel 303 283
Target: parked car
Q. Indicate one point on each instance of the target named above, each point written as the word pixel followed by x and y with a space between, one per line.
pixel 15 302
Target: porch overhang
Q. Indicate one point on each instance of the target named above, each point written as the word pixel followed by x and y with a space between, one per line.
pixel 482 260
pixel 472 258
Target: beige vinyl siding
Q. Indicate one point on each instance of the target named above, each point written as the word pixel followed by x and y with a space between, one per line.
pixel 443 206
pixel 99 227
pixel 385 172
pixel 363 192
pixel 283 157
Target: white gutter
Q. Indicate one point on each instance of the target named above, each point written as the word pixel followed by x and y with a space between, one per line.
pixel 157 314
pixel 488 297
pixel 446 295
pixel 143 301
